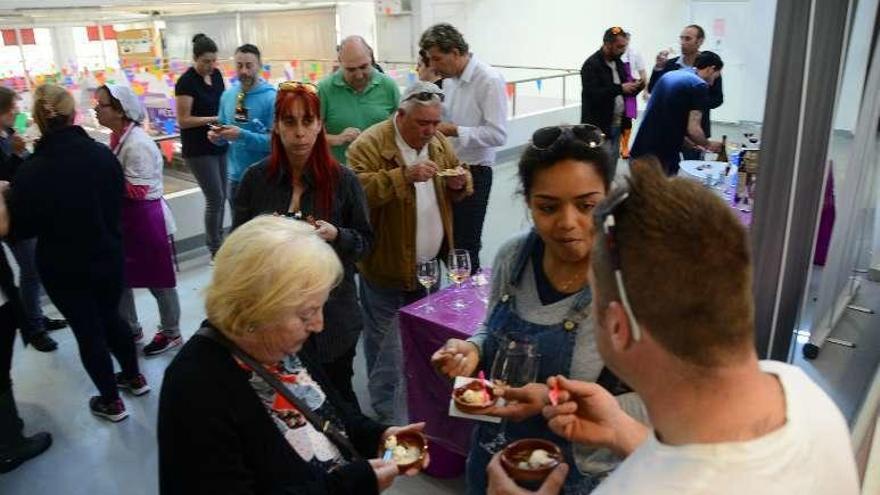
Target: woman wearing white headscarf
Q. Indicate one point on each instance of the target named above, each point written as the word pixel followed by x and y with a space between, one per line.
pixel 146 219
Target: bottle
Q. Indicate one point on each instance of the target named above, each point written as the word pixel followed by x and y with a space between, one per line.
pixel 722 155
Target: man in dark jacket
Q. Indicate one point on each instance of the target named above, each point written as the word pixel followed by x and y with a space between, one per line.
pixel 691 38
pixel 603 83
pixel 15 448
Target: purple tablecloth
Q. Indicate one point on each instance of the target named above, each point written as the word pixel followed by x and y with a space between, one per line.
pixel 427 393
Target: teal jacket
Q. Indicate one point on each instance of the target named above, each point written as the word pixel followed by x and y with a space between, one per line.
pixel 256 134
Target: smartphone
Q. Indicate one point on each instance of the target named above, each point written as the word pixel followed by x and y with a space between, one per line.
pixel 215 126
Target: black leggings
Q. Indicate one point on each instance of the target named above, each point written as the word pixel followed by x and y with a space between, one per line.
pixel 93 315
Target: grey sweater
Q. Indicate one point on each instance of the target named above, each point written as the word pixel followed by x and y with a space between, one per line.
pixel 586 363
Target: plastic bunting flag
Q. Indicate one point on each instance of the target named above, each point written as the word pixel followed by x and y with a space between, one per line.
pixel 540 84
pixel 511 89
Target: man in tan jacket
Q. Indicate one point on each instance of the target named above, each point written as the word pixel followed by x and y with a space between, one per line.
pixel 410 176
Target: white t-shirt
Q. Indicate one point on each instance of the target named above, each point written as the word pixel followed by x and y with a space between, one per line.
pixel 636 62
pixel 429 224
pixel 810 455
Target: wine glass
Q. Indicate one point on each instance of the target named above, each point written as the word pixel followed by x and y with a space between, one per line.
pixel 459 265
pixel 515 365
pixel 427 274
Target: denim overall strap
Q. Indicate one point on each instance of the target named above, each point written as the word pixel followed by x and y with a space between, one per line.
pixel 555 343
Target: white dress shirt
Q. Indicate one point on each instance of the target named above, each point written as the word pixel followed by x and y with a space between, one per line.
pixel 429 224
pixel 476 102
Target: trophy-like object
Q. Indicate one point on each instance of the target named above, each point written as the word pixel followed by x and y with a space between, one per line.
pixel 746 177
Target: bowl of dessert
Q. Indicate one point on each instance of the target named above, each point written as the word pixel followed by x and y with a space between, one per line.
pixel 474 397
pixel 407 449
pixel 530 459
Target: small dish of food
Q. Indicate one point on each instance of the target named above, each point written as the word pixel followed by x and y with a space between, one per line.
pixel 474 397
pixel 451 172
pixel 530 459
pixel 407 449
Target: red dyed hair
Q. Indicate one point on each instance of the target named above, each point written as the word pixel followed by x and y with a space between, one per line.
pixel 323 167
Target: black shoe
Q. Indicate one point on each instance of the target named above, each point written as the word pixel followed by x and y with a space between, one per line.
pixel 12 456
pixel 54 324
pixel 16 448
pixel 42 342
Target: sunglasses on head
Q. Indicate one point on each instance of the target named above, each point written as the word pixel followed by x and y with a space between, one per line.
pixel 604 217
pixel 425 96
pixel 296 85
pixel 545 137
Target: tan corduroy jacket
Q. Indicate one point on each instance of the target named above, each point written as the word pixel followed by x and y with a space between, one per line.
pixel 378 163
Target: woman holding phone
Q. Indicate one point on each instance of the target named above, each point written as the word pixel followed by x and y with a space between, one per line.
pixel 198 100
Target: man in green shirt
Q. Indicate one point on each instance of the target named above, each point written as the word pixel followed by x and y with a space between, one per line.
pixel 354 97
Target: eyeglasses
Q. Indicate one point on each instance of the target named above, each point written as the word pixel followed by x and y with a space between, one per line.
pixel 544 138
pixel 296 85
pixel 425 96
pixel 604 216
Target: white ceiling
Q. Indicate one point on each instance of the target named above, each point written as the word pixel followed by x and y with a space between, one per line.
pixel 57 12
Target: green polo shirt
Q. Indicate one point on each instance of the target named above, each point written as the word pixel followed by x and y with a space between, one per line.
pixel 342 107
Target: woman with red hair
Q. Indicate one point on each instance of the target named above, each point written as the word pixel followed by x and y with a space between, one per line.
pixel 302 180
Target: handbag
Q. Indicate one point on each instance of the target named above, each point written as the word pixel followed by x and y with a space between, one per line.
pixel 323 425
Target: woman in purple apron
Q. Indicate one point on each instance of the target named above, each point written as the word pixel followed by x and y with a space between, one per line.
pixel 146 219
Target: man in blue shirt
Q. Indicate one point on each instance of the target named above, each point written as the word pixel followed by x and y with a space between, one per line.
pixel 247 111
pixel 675 112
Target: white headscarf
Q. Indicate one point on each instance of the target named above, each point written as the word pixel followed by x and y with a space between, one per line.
pixel 131 104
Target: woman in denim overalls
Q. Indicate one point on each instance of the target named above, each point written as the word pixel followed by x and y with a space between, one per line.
pixel 540 291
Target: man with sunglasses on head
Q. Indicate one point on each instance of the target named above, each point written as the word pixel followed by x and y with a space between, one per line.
pixel 691 38
pixel 410 176
pixel 354 97
pixel 675 113
pixel 475 118
pixel 671 275
pixel 247 110
pixel 604 84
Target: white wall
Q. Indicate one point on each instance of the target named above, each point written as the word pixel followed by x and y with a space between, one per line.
pixel 357 18
pixel 563 33
pixel 853 81
pixel 558 33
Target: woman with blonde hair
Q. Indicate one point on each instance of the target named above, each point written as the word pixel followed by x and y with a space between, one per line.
pixel 69 196
pixel 242 409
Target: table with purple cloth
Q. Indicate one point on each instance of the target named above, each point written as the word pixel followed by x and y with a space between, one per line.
pixel 422 332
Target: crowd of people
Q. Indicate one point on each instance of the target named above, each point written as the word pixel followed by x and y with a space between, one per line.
pixel 338 190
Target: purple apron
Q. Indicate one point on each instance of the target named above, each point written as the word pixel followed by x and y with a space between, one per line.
pixel 148 261
pixel 630 105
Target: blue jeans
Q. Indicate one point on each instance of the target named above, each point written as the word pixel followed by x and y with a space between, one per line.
pixel 613 144
pixel 382 349
pixel 232 192
pixel 30 289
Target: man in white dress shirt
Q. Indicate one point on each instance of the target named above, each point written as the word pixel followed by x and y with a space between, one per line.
pixel 475 120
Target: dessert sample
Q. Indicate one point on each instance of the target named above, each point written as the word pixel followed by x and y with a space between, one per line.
pixel 474 396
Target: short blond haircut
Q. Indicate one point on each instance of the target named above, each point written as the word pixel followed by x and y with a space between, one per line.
pixel 265 270
pixel 53 107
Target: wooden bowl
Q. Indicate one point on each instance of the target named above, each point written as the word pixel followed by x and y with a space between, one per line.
pixel 413 439
pixel 520 451
pixel 469 408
